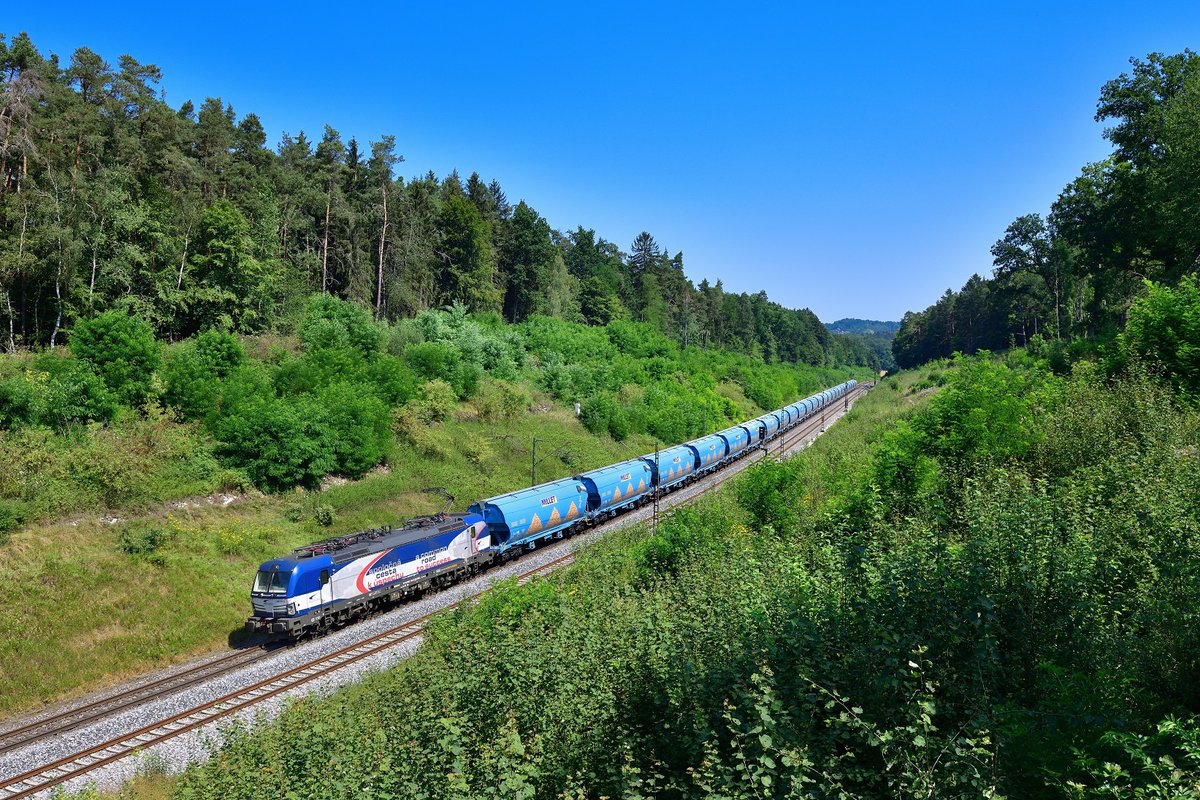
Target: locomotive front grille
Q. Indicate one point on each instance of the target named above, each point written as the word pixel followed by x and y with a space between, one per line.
pixel 270 607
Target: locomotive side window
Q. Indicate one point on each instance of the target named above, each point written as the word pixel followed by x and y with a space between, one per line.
pixel 271 582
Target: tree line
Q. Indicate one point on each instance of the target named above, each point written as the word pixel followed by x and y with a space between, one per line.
pixel 1131 218
pixel 110 198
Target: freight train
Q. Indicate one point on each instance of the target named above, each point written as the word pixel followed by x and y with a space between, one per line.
pixel 331 582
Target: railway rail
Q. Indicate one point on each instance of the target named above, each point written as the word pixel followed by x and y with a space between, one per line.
pixel 44 777
pixel 104 707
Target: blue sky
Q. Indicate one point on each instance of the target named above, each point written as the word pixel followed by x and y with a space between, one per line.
pixel 857 161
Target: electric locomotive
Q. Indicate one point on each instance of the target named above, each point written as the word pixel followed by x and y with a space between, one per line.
pixel 332 581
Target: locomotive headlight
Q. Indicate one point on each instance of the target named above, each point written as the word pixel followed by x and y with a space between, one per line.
pixel 291 608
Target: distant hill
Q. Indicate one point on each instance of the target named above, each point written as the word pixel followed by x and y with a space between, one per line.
pixel 873 333
pixel 866 327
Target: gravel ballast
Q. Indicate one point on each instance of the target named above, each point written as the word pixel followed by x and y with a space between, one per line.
pixel 175 754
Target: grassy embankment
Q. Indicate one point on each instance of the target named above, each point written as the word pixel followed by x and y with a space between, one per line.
pixel 111 574
pixel 82 612
pixel 993 595
pixel 634 605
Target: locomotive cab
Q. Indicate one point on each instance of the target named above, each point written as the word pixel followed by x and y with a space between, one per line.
pixel 287 589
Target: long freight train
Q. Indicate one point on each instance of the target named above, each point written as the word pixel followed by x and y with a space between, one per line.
pixel 333 581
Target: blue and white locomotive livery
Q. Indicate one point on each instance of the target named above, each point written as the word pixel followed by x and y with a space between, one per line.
pixel 335 580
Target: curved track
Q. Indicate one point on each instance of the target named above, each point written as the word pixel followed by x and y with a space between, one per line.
pixel 46 776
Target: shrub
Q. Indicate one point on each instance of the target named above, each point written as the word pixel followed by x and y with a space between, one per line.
pixel 1164 327
pixel 499 400
pixel 232 480
pixel 503 354
pixel 394 381
pixel 359 427
pixel 427 441
pixel 571 342
pixel 436 402
pixel 280 443
pixel 221 352
pixel 319 368
pixel 294 512
pixel 189 383
pixel 432 360
pixel 466 379
pixel 594 412
pixel 324 515
pixel 601 413
pixel 12 516
pixel 640 339
pixel 76 396
pixel 122 350
pixel 332 322
pixel 768 492
pixel 18 404
pixel 144 540
pixel 404 333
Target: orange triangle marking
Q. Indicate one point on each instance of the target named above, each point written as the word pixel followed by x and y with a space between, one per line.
pixel 573 511
pixel 555 518
pixel 536 525
pixel 616 494
pixel 642 485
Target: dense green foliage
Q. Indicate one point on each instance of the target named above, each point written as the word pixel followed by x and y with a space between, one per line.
pixel 875 334
pixel 347 395
pixel 1025 630
pixel 1130 218
pixel 111 199
pixel 1164 330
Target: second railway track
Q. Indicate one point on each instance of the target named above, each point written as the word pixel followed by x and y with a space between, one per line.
pixel 39 778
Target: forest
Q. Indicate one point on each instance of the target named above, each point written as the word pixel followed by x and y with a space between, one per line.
pixel 186 218
pixel 1066 280
pixel 982 583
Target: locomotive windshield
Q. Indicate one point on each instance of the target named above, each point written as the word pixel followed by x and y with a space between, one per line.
pixel 272 582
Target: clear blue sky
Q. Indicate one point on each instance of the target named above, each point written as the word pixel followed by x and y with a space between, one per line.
pixel 857 161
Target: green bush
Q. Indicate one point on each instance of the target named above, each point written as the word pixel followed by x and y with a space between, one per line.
pixel 570 342
pixel 279 443
pixel 404 333
pixel 503 355
pixel 324 516
pixel 12 516
pixel 499 400
pixel 769 492
pixel 232 480
pixel 394 381
pixel 122 350
pixel 432 360
pixel 190 384
pixel 18 404
pixel 1164 328
pixel 359 427
pixel 330 322
pixel 595 411
pixel 319 368
pixel 466 379
pixel 220 351
pixel 76 396
pixel 641 340
pixel 144 539
pixel 435 403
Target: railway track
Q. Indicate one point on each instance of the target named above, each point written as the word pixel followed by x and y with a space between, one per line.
pixel 102 708
pixel 47 776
